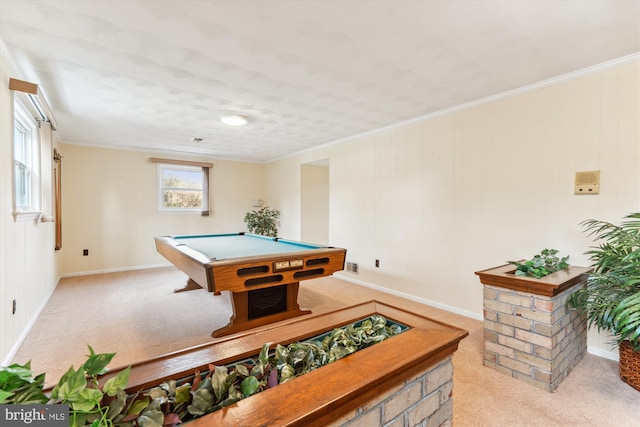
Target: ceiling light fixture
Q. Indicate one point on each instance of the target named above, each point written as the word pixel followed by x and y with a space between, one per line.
pixel 234 120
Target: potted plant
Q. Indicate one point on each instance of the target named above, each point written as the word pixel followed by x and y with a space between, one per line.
pixel 611 297
pixel 542 264
pixel 264 221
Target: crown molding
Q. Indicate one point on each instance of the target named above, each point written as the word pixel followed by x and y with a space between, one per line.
pixel 627 59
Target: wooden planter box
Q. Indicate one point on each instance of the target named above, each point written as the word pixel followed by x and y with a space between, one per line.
pixel 529 332
pixel 373 376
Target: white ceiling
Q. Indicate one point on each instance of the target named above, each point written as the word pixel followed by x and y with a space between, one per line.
pixel 144 74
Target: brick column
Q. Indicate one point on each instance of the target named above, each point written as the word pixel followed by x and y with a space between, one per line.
pixel 529 335
pixel 532 337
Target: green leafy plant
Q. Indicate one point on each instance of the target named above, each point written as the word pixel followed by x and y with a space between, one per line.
pixel 222 386
pixel 177 401
pixel 88 403
pixel 541 265
pixel 264 221
pixel 19 385
pixel 611 297
pixel 80 390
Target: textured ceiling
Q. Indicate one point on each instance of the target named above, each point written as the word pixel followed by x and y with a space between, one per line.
pixel 154 74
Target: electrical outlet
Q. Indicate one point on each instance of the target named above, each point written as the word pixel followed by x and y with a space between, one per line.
pixel 352 267
pixel 377 263
pixel 15 305
pixel 85 252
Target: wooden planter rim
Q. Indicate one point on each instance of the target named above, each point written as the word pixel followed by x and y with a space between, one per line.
pixel 550 285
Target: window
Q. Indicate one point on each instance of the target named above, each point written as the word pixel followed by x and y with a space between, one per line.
pixel 26 164
pixel 182 188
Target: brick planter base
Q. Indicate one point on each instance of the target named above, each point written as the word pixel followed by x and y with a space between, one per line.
pixel 423 400
pixel 532 336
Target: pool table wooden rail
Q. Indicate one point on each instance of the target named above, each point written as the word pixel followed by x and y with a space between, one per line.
pixel 243 274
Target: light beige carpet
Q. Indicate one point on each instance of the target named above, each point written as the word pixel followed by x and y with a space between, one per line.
pixel 137 316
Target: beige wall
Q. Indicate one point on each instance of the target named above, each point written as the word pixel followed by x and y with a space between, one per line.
pixel 314 201
pixel 110 207
pixel 437 199
pixel 28 261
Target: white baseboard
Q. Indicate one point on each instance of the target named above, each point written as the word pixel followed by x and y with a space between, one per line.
pixel 27 329
pixel 14 349
pixel 115 270
pixel 611 355
pixel 424 301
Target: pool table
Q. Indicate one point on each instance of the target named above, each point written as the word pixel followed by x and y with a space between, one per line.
pixel 261 273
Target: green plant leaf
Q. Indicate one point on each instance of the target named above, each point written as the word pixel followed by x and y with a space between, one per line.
pixel 77 419
pixel 287 373
pixel 202 401
pixel 21 387
pixel 96 364
pixel 153 418
pixel 63 380
pixel 242 370
pixel 30 394
pixel 183 394
pixel 264 354
pixel 87 400
pixel 249 386
pixel 138 406
pixel 234 392
pixel 4 396
pixel 626 319
pixel 73 385
pixel 117 383
pixel 14 375
pixel 281 356
pixel 157 392
pixel 218 382
pixel 117 405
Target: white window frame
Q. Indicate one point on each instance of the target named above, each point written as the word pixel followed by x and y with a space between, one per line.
pixel 23 119
pixel 164 209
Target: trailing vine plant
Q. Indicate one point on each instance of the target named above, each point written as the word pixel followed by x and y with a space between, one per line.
pixel 88 403
pixel 177 401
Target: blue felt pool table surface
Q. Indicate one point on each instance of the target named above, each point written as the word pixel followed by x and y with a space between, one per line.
pixel 227 246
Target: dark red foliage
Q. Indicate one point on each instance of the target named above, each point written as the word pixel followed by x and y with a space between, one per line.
pixel 171 420
pixel 272 380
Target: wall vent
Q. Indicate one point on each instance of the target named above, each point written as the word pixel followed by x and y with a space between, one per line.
pixel 352 267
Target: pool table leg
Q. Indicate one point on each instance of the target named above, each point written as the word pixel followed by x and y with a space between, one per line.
pixel 240 321
pixel 189 286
